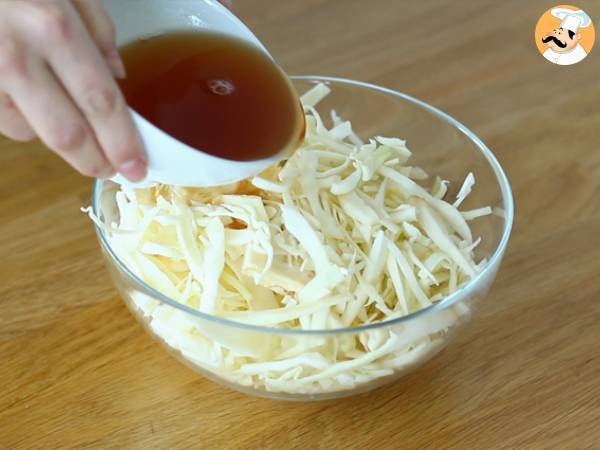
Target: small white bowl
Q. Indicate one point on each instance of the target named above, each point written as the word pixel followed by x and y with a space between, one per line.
pixel 169 160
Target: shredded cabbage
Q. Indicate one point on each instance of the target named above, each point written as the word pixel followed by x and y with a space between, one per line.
pixel 339 235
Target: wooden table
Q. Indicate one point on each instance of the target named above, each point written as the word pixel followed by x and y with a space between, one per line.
pixel 79 372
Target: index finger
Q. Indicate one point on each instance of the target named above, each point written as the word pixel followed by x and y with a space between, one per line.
pixel 102 30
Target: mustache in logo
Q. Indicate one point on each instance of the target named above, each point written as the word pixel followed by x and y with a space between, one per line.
pixel 556 41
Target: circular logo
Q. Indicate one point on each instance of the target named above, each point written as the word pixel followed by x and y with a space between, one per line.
pixel 565 35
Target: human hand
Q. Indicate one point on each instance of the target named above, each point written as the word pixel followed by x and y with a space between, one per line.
pixel 58 60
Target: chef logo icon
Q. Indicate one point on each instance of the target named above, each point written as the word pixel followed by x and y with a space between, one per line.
pixel 565 35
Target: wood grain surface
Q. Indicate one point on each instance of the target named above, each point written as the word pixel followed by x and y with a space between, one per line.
pixel 79 372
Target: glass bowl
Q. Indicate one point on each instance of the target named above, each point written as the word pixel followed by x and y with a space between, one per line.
pixel 238 355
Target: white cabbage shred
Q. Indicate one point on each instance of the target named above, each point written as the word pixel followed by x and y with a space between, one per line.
pixel 340 235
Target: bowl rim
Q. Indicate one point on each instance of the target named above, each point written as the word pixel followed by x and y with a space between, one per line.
pixel 460 294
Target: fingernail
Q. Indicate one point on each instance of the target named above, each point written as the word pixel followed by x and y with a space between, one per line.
pixel 116 63
pixel 134 169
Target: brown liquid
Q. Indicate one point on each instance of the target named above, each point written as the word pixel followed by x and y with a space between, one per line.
pixel 213 92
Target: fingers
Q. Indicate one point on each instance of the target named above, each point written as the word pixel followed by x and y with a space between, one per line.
pixel 56 120
pixel 12 122
pixel 76 62
pixel 102 31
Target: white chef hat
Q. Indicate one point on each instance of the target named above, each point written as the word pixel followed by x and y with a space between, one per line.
pixel 571 20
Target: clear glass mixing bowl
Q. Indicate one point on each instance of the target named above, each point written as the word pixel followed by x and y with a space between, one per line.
pixel 442 146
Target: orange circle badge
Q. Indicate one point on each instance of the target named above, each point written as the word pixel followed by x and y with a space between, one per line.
pixel 565 35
